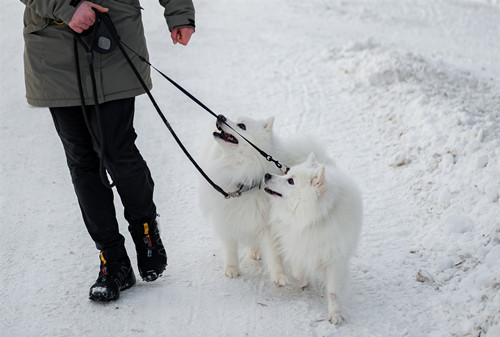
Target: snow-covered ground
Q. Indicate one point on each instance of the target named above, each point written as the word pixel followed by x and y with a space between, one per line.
pixel 405 94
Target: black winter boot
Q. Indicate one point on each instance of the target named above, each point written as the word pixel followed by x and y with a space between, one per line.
pixel 116 274
pixel 151 255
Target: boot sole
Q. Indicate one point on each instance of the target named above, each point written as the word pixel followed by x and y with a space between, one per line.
pixel 151 275
pixel 104 297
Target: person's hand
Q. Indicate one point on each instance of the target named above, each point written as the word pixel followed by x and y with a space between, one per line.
pixel 84 16
pixel 182 35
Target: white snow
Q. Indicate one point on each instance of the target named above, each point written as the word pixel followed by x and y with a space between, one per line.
pixel 405 94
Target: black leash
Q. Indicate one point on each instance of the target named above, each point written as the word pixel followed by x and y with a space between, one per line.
pixel 221 118
pixel 116 41
pixel 99 141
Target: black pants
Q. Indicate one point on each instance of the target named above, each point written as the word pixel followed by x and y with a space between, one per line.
pixel 131 173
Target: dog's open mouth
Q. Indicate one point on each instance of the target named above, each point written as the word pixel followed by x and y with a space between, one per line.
pixel 227 137
pixel 271 192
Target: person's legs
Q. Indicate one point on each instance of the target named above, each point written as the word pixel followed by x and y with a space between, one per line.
pixel 82 143
pixel 96 204
pixel 133 182
pixel 95 199
pixel 129 170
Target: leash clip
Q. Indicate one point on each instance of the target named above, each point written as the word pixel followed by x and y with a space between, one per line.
pixel 234 194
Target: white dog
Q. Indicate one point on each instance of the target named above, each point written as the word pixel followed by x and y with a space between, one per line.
pixel 234 165
pixel 316 215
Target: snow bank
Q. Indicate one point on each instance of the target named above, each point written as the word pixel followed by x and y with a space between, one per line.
pixel 442 126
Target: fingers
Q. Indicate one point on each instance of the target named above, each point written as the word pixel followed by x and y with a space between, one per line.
pixel 84 16
pixel 182 35
pixel 76 29
pixel 173 35
pixel 80 24
pixel 182 38
pixel 99 8
pixel 79 27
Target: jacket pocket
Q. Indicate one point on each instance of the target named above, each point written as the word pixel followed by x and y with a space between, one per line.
pixel 33 22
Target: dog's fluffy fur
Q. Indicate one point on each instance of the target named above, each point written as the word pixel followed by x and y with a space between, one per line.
pixel 231 163
pixel 316 216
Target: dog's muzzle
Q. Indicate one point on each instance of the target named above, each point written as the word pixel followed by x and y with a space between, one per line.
pixel 268 177
pixel 227 137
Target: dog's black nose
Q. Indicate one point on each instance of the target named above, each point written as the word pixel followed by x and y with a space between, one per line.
pixel 267 177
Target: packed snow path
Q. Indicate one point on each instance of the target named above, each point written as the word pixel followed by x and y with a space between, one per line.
pixel 405 94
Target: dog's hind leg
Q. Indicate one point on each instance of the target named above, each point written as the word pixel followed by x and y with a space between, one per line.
pixel 231 259
pixel 254 254
pixel 299 276
pixel 273 260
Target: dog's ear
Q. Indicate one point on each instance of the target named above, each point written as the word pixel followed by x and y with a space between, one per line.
pixel 268 123
pixel 311 160
pixel 318 178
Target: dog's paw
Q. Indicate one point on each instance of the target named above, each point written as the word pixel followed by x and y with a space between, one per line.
pixel 335 317
pixel 232 271
pixel 255 254
pixel 280 279
pixel 301 282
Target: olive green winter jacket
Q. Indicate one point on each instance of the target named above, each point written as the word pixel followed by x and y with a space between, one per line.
pixel 49 58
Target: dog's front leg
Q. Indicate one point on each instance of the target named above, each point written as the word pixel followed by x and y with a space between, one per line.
pixel 333 285
pixel 231 259
pixel 273 260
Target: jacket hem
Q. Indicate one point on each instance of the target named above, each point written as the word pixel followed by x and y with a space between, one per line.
pixel 65 102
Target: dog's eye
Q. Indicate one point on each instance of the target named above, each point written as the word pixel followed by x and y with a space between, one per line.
pixel 290 181
pixel 242 126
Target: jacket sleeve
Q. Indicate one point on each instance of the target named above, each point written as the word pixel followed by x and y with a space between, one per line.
pixel 178 13
pixel 60 10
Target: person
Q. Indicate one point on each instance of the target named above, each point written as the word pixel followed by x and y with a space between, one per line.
pixel 102 132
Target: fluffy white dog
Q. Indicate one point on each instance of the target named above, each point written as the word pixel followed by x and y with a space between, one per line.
pixel 235 165
pixel 316 215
